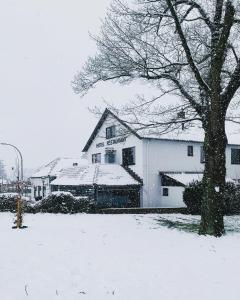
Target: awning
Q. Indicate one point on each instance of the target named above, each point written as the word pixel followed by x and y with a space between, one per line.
pixel 182 179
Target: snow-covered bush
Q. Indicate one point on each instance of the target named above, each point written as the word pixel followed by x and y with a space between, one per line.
pixel 232 199
pixel 193 194
pixel 63 203
pixel 8 203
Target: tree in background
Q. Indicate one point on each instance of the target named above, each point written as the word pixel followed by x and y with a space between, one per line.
pixel 3 174
pixel 187 48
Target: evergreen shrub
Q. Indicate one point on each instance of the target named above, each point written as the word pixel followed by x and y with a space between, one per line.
pixel 9 203
pixel 63 203
pixel 193 193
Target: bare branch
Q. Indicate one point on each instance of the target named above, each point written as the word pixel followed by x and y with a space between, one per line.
pixel 190 60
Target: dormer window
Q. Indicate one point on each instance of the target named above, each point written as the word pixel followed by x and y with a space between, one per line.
pixel 110 132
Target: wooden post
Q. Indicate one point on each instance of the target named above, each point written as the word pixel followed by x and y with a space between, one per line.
pixel 19 216
pixel 19 213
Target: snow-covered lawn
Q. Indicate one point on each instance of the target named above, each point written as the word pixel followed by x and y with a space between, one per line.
pixel 127 257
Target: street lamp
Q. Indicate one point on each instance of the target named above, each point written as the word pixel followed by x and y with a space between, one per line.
pixel 21 158
pixel 20 181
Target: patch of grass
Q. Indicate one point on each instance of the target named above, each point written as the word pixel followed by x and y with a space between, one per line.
pixel 191 224
pixel 179 224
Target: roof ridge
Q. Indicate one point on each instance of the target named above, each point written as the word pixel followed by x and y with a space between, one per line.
pixel 54 165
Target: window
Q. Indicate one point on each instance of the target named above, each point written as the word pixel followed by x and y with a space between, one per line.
pixel 128 156
pixel 190 150
pixel 235 156
pixel 39 191
pixel 110 132
pixel 35 192
pixel 110 156
pixel 165 192
pixel 44 191
pixel 202 155
pixel 75 164
pixel 96 158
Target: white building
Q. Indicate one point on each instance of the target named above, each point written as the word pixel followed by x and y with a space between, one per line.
pixel 126 168
pixel 164 165
pixel 40 181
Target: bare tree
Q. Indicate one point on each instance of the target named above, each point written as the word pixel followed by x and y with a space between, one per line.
pixel 189 48
pixel 3 174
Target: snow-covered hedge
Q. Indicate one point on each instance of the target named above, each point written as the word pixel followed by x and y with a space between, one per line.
pixel 8 203
pixel 63 203
pixel 193 194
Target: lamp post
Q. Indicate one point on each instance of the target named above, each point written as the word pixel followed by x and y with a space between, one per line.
pixel 20 155
pixel 18 221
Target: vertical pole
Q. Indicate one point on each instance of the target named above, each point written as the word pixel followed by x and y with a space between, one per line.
pixel 19 213
pixel 19 185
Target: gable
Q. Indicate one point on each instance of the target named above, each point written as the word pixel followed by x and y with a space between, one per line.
pixel 111 119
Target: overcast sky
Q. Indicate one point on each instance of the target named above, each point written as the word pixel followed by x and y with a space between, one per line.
pixel 43 44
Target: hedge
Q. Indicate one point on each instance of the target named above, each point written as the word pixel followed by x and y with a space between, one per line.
pixel 193 193
pixel 63 203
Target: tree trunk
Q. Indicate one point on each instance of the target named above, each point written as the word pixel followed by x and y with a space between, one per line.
pixel 214 174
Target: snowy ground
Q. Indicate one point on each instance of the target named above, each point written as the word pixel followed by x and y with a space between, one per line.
pixel 127 257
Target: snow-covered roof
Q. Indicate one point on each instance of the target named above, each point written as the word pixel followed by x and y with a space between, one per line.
pixel 100 174
pixel 57 165
pixel 188 135
pixel 186 178
pixel 194 134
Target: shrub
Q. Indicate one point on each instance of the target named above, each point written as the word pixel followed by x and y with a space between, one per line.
pixel 8 203
pixel 192 197
pixel 63 203
pixel 232 199
pixel 193 194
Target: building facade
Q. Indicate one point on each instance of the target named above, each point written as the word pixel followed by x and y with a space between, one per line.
pixel 154 159
pixel 41 180
pixel 123 167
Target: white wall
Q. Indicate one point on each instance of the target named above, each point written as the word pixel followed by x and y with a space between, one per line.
pixel 162 155
pixel 174 198
pixel 153 156
pixel 233 171
pixel 131 141
pixel 35 182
